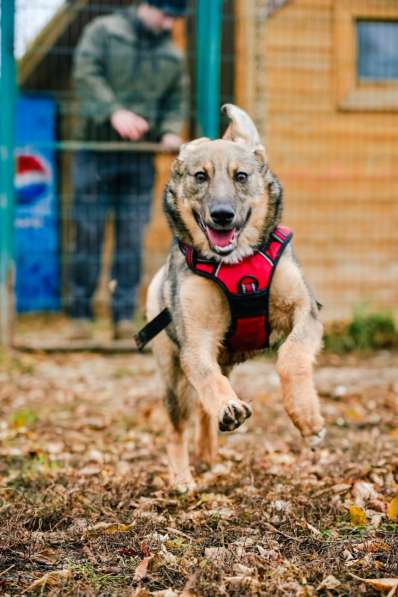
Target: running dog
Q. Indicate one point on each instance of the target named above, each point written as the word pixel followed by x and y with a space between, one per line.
pixel 230 287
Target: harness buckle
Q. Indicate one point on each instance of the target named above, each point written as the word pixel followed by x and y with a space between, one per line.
pixel 248 285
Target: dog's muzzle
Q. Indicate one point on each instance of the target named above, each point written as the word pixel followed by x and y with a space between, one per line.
pixel 221 232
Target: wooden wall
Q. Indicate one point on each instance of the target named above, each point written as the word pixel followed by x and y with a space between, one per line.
pixel 339 167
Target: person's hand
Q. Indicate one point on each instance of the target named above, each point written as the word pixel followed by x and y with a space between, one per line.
pixel 171 142
pixel 129 125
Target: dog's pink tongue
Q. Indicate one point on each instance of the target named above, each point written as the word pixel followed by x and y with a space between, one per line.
pixel 220 238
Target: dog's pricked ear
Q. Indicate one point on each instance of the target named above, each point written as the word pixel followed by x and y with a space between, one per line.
pixel 242 129
pixel 261 157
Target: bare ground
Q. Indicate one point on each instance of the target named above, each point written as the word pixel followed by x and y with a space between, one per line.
pixel 84 504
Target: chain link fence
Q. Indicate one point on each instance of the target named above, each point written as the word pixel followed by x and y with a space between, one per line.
pixel 320 79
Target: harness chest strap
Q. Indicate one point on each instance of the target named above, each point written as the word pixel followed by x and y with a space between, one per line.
pixel 245 285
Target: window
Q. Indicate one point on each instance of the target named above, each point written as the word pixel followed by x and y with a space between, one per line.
pixel 366 55
pixel 377 55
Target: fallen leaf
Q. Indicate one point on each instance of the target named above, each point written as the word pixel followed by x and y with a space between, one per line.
pixel 330 582
pixel 380 584
pixel 392 510
pixel 187 592
pixel 95 456
pixel 363 492
pixel 341 487
pixel 218 554
pixel 51 579
pixel 358 516
pixel 55 447
pixel 347 555
pixel 46 556
pixel 107 528
pixel 140 592
pixel 90 470
pixel 241 569
pixel 339 391
pixel 269 554
pixel 250 584
pixel 142 569
pixel 117 528
pixel 223 513
pixel 373 546
pixel 313 529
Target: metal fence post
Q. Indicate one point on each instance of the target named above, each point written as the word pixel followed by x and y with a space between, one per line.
pixel 7 144
pixel 208 35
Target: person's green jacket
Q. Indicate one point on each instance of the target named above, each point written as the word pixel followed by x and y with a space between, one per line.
pixel 120 64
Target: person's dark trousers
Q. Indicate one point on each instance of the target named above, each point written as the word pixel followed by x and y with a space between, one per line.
pixel 109 182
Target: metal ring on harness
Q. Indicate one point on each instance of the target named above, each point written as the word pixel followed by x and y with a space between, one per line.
pixel 248 285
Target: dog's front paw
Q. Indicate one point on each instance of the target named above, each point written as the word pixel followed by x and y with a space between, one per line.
pixel 313 441
pixel 233 415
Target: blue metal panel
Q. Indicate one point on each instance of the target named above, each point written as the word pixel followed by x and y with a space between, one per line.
pixel 36 221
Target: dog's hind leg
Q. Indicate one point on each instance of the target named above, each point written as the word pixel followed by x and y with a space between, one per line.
pixel 295 368
pixel 206 437
pixel 178 402
pixel 177 395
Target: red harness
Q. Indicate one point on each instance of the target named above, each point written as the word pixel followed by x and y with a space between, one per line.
pixel 246 286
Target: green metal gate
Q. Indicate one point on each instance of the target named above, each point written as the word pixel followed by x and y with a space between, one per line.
pixel 7 141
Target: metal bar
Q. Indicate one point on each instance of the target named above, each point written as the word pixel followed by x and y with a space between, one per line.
pixel 7 144
pixel 73 146
pixel 208 35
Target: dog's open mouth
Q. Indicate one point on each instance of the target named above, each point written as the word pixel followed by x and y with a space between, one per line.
pixel 221 239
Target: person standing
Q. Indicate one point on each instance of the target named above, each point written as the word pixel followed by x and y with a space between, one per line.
pixel 132 85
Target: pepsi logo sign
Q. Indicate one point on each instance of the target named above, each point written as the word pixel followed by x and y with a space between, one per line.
pixel 32 180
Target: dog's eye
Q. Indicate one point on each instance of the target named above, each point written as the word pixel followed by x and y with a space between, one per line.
pixel 200 176
pixel 241 177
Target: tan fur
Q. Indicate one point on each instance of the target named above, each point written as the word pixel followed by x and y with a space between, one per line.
pixel 192 358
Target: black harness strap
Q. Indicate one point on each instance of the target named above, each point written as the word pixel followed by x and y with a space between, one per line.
pixel 152 329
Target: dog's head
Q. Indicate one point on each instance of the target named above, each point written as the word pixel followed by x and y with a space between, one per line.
pixel 222 198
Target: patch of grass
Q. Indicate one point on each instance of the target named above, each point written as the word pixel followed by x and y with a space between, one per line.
pixel 100 581
pixel 176 545
pixel 367 331
pixel 327 533
pixel 389 527
pixel 26 472
pixel 23 418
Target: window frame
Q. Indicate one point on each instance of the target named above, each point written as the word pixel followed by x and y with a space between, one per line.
pixel 354 94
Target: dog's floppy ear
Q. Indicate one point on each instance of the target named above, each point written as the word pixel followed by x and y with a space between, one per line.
pixel 243 130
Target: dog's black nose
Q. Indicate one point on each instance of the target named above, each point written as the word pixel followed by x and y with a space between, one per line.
pixel 222 215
